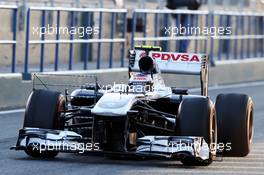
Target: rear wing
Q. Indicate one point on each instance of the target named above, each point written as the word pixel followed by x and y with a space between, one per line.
pixel 173 63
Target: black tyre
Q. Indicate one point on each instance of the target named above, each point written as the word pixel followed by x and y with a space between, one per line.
pixel 30 150
pixel 196 117
pixel 43 111
pixel 235 121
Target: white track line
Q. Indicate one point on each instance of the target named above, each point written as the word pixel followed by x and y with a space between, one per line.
pixel 12 111
pixel 241 85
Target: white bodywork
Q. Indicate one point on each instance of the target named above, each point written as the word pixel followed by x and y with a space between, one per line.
pixel 195 146
pixel 114 104
pixel 118 101
pixel 54 139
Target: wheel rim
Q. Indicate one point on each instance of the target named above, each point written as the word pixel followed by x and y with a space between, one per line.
pixel 60 109
pixel 214 134
pixel 251 131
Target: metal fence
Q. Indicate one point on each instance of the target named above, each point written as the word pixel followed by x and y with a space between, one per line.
pixel 12 41
pixel 222 47
pixel 71 40
pixel 246 40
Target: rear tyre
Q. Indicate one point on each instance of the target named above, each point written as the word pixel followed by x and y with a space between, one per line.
pixel 43 110
pixel 235 121
pixel 196 118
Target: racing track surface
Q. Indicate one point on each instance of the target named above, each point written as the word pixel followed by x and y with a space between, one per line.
pixel 16 163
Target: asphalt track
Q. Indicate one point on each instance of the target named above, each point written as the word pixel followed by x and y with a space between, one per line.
pixel 18 163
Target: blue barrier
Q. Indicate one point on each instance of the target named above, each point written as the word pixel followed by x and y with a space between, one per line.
pixel 12 42
pixel 246 41
pixel 227 44
pixel 71 40
pixel 262 34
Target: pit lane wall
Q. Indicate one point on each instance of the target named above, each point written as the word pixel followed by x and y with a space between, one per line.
pixel 14 91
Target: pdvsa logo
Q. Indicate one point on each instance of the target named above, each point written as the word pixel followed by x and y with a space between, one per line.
pixel 175 57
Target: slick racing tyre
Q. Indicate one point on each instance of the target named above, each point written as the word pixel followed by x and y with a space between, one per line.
pixel 196 117
pixel 43 111
pixel 235 121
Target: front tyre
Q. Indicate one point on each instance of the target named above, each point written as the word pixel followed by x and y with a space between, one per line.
pixel 235 121
pixel 43 111
pixel 197 117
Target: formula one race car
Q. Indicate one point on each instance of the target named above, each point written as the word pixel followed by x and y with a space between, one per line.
pixel 143 118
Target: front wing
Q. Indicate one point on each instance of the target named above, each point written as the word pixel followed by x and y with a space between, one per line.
pixel 172 147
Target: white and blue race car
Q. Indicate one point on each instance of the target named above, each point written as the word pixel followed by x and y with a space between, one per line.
pixel 143 118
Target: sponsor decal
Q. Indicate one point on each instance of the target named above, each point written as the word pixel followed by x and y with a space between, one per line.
pixel 175 57
pixel 143 54
pixel 140 78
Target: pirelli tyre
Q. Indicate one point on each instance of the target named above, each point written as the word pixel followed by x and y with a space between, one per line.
pixel 196 117
pixel 235 122
pixel 43 110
